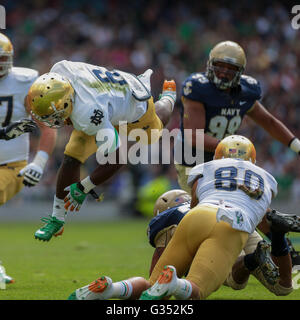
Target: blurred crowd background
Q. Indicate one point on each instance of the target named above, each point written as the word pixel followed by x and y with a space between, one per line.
pixel 173 38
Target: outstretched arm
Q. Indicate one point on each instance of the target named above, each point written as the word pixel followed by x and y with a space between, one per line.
pixel 273 126
pixel 33 171
pixel 194 118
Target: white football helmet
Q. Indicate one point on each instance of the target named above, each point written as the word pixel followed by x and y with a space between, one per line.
pixel 170 199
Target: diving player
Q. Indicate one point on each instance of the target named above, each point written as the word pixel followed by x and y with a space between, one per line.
pixel 217 101
pixel 93 100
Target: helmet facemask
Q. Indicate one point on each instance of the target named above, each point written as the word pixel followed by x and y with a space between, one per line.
pixel 6 63
pixel 54 120
pixel 231 78
pixel 227 58
pixel 6 55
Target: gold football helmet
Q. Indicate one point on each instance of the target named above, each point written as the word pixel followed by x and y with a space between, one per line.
pixel 170 199
pixel 6 55
pixel 50 98
pixel 237 147
pixel 231 53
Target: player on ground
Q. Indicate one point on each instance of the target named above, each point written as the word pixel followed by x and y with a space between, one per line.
pixel 217 101
pixel 169 210
pixel 14 85
pixel 230 196
pixel 93 99
pixel 162 227
pixel 161 230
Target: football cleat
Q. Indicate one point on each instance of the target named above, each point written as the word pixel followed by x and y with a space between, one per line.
pixel 263 257
pixel 169 91
pixel 295 256
pixel 163 287
pixel 282 222
pixel 53 227
pixel 8 279
pixel 100 289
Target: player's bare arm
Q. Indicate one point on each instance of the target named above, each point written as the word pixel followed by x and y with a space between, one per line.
pixel 156 255
pixel 194 118
pixel 33 171
pixel 271 124
pixel 194 201
pixel 48 136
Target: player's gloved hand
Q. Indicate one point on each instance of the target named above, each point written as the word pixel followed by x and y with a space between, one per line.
pixel 254 194
pixel 78 192
pixel 33 171
pixel 18 128
pixel 74 199
pixel 32 174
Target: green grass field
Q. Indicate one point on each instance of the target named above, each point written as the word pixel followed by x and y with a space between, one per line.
pixel 52 270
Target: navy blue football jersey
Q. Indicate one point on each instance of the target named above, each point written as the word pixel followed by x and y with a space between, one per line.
pixel 165 219
pixel 223 111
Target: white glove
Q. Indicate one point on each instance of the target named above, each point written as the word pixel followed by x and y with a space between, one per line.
pixel 33 171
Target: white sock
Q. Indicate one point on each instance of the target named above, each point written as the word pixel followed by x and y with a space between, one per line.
pixel 122 289
pixel 59 211
pixel 183 289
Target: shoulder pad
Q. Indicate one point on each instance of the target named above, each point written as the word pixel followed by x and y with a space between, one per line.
pixel 197 87
pixel 24 74
pixel 58 65
pixel 251 86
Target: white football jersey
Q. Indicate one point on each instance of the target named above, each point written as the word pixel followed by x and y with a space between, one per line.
pixel 218 182
pixel 13 90
pixel 102 97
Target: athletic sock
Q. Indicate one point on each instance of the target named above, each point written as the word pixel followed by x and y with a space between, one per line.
pixel 59 211
pixel 183 289
pixel 122 289
pixel 279 244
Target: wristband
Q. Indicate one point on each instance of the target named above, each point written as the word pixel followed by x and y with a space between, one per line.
pixel 295 145
pixel 87 184
pixel 41 158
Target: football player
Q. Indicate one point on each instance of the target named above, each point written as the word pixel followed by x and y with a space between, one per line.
pixel 230 196
pixel 93 100
pixel 15 172
pixel 251 260
pixel 169 210
pixel 217 101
